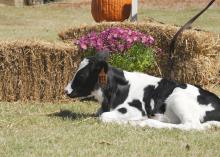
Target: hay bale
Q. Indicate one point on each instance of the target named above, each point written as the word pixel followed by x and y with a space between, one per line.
pixel 34 70
pixel 196 55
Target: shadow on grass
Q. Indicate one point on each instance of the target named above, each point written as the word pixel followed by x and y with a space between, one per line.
pixel 67 114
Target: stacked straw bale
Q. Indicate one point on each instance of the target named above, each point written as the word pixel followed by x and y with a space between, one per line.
pixel 34 70
pixel 196 58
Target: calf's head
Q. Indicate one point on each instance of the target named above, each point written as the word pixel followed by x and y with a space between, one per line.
pixel 86 77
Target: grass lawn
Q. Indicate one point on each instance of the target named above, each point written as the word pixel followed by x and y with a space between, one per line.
pixel 69 129
pixel 45 22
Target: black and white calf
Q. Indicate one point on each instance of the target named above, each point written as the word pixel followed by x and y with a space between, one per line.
pixel 144 100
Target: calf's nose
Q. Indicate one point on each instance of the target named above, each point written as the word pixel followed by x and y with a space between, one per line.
pixel 65 91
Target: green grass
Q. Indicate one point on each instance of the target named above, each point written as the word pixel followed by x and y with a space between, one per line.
pixel 43 22
pixel 27 130
pixel 208 21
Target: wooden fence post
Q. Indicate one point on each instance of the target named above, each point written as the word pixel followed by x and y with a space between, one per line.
pixel 134 11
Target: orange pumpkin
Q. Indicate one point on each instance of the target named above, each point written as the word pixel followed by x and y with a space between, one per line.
pixel 110 10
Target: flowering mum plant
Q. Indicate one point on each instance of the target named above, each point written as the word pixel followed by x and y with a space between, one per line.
pixel 129 49
pixel 114 40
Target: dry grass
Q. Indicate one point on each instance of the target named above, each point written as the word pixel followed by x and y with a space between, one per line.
pixel 71 130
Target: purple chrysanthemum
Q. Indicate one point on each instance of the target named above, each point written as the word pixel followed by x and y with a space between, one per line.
pixel 114 40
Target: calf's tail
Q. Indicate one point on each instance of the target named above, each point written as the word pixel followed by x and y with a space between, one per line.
pixel 173 41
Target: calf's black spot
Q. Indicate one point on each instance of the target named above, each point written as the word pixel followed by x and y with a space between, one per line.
pixel 212 116
pixel 122 110
pixel 148 93
pixel 120 95
pixel 137 104
pixel 159 94
pixel 206 98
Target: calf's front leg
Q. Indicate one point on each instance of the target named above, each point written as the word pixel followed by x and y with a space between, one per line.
pixel 122 114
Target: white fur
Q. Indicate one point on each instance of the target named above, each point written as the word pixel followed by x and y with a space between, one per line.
pixel 132 114
pixel 84 63
pixel 138 81
pixel 152 103
pixel 98 95
pixel 68 88
pixel 184 105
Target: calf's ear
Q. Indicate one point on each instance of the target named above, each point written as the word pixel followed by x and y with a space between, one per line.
pixel 102 72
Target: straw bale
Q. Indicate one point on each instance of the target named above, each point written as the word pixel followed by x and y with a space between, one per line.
pixel 196 57
pixel 35 70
